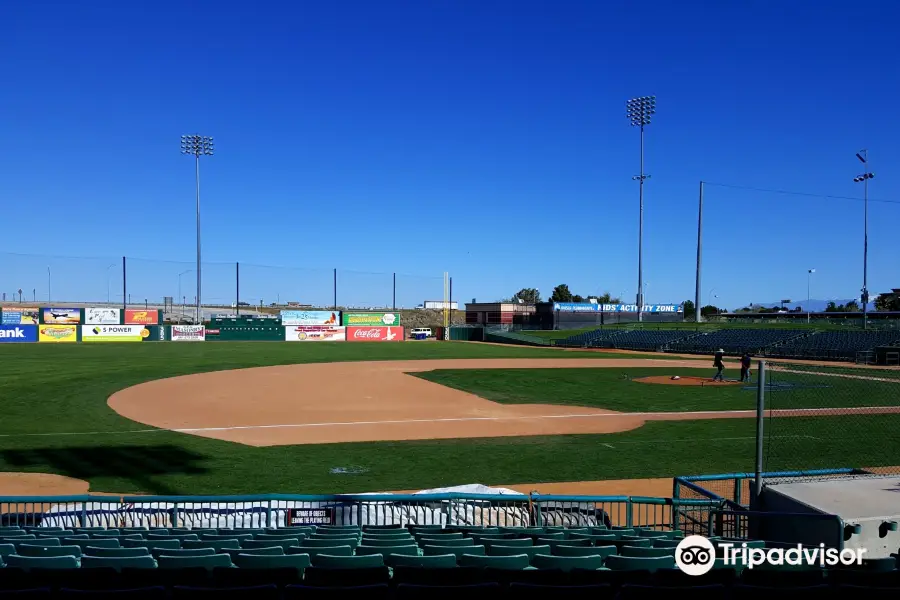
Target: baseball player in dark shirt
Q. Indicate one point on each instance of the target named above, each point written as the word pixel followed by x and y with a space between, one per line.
pixel 719 364
pixel 745 367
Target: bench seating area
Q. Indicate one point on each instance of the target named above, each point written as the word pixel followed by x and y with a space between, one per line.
pixel 737 341
pixel 835 345
pixel 390 562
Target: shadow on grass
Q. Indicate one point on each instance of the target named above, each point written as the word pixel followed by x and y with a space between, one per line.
pixel 140 465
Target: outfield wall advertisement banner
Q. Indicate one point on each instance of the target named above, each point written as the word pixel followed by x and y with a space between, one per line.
pixel 18 333
pixel 141 317
pixel 102 316
pixel 374 334
pixel 20 316
pixel 114 333
pixel 310 317
pixel 188 333
pixel 62 316
pixel 315 333
pixel 616 308
pixel 370 319
pixel 57 333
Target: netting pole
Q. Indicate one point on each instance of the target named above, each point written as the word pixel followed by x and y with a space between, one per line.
pixel 334 306
pixel 394 304
pixel 124 286
pixel 760 418
pixel 237 283
pixel 697 316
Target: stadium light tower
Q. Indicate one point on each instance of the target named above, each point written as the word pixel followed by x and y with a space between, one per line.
pixel 197 146
pixel 863 157
pixel 809 273
pixel 639 112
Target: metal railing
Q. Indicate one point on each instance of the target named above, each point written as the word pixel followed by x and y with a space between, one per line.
pixel 273 510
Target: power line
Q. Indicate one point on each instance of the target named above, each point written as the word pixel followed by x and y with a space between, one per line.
pixel 791 193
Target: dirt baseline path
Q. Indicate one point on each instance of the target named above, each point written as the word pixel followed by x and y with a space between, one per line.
pixel 375 401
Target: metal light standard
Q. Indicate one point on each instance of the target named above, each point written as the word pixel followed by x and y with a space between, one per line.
pixel 48 285
pixel 863 157
pixel 197 146
pixel 808 276
pixel 639 112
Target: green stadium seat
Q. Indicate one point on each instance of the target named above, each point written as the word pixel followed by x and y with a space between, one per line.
pixel 549 535
pixel 602 551
pixel 409 549
pixel 512 562
pixel 442 535
pixel 27 563
pixel 270 551
pixel 115 533
pixel 11 530
pixel 567 563
pixel 634 563
pixel 523 530
pixel 328 561
pixel 377 535
pixel 383 528
pixel 437 561
pixel 642 552
pixel 396 541
pixel 90 530
pixel 40 542
pixel 353 529
pixel 324 543
pixel 447 542
pixel 256 530
pixel 284 544
pixel 295 530
pixel 220 537
pixel 313 552
pixel 487 542
pixel 272 561
pixel 217 546
pixel 56 532
pixel 280 536
pixel 96 543
pixel 201 531
pixel 529 551
pixel 26 550
pixel 653 533
pixel 151 544
pixel 634 543
pixel 594 537
pixel 118 562
pixel 638 538
pixel 174 536
pixel 663 543
pixel 114 552
pixel 455 550
pixel 190 562
pixel 75 536
pixel 5 539
pixel 157 552
pixel 570 542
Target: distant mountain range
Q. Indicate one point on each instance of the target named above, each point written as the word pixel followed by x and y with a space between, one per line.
pixel 813 305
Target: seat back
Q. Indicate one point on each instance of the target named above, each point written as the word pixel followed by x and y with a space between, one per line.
pixel 218 546
pixel 567 563
pixel 185 562
pixel 26 550
pixel 152 544
pixel 27 563
pixel 258 561
pixel 436 561
pixel 115 552
pixel 513 562
pixel 410 550
pixel 430 541
pixel 284 544
pixel 270 551
pixel 634 563
pixel 603 551
pixel 118 562
pixel 313 552
pixel 366 561
pixel 646 552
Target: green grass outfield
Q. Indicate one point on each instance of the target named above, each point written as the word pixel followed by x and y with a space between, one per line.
pixel 54 419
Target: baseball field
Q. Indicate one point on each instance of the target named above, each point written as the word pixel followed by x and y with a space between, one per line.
pixel 258 417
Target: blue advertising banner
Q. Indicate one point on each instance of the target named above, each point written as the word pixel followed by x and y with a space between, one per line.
pixel 616 308
pixel 310 317
pixel 18 333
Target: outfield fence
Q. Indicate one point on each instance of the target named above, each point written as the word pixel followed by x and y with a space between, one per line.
pixel 276 511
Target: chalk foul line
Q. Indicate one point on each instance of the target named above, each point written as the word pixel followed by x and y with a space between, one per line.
pixel 649 416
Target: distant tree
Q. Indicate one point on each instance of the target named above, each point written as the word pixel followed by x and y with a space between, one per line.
pixel 577 298
pixel 887 303
pixel 607 298
pixel 689 309
pixel 831 307
pixel 797 309
pixel 528 295
pixel 852 306
pixel 561 293
pixel 710 310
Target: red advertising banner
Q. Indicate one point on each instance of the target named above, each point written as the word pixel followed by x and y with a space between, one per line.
pixel 141 317
pixel 374 334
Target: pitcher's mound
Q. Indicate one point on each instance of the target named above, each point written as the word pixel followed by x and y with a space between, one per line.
pixel 688 380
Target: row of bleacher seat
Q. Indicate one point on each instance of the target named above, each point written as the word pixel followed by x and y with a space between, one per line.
pixel 649 339
pixel 736 341
pixel 835 345
pixel 398 563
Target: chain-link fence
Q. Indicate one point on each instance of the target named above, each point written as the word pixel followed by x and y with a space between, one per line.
pixel 824 417
pixel 36 280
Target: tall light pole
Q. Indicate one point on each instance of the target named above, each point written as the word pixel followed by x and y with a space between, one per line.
pixel 809 273
pixel 197 146
pixel 863 157
pixel 48 285
pixel 107 281
pixel 639 112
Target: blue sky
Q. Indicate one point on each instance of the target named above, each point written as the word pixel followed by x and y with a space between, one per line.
pixel 483 138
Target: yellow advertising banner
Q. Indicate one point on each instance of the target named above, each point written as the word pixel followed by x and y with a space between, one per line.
pixel 57 333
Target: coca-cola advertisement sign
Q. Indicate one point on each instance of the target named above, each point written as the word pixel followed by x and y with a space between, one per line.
pixel 374 334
